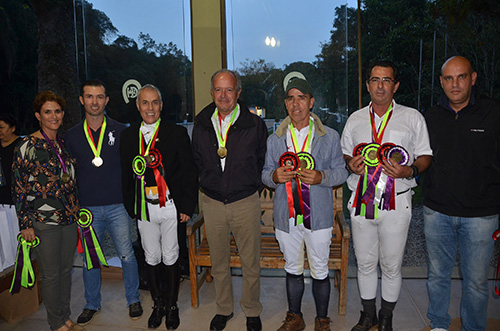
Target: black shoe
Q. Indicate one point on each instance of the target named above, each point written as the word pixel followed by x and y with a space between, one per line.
pixel 254 324
pixel 384 322
pixel 135 310
pixel 172 321
pixel 154 320
pixel 366 322
pixel 219 322
pixel 86 316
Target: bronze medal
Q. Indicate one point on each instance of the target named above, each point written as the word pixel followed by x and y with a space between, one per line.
pixel 97 161
pixel 222 152
pixel 65 177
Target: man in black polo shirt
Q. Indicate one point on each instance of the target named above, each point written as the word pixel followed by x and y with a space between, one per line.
pixel 95 143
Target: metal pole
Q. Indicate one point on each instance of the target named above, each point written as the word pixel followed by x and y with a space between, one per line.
pixel 433 65
pixel 76 41
pixel 84 42
pixel 360 74
pixel 346 65
pixel 419 75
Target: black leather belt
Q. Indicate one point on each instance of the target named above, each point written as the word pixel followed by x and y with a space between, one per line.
pixel 402 192
pixel 157 201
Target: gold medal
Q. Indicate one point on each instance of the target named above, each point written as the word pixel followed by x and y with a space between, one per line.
pixel 222 152
pixel 97 161
pixel 65 177
pixel 397 156
pixel 372 154
pixel 149 159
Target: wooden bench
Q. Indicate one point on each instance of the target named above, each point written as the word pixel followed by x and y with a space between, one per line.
pixel 271 256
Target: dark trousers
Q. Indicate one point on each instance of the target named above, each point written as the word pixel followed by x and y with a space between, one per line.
pixel 55 255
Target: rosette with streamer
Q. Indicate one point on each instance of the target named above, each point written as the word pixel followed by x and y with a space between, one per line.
pixel 357 150
pixel 370 154
pixel 306 162
pixel 139 165
pixel 289 159
pixel 294 195
pixel 367 185
pixel 154 161
pixel 399 155
pixel 382 151
pixel 93 251
pixel 23 270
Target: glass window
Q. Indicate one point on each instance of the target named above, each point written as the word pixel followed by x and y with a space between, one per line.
pixel 267 40
pixel 128 44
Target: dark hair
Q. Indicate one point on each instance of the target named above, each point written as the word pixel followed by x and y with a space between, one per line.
pixel 95 83
pixel 385 64
pixel 232 73
pixel 10 120
pixel 44 96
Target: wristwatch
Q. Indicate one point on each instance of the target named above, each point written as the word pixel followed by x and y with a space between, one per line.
pixel 414 172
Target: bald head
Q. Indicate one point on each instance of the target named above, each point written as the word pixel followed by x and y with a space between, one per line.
pixel 457 60
pixel 457 79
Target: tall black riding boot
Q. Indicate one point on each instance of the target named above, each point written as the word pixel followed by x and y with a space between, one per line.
pixel 171 293
pixel 154 282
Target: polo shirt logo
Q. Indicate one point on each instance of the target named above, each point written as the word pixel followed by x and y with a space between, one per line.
pixel 111 138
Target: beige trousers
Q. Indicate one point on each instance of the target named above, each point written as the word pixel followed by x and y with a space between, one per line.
pixel 242 218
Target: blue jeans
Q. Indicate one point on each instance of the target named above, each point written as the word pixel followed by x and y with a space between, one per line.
pixel 115 219
pixel 473 236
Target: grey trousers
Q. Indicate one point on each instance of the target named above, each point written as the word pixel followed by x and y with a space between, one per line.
pixel 55 256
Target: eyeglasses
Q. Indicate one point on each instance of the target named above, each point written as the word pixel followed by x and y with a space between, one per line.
pixel 385 80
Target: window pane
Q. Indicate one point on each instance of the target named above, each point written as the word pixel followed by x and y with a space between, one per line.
pixel 128 44
pixel 269 39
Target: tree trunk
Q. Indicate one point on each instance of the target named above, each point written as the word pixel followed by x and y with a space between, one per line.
pixel 56 54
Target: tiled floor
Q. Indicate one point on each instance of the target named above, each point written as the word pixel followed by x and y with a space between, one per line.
pixel 409 313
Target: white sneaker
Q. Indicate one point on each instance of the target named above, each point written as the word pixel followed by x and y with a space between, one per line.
pixel 439 329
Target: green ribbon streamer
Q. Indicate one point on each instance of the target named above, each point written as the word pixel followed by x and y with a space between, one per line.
pixel 27 270
pixel 98 251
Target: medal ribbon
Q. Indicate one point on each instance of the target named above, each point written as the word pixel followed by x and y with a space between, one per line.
pixel 496 235
pixel 90 138
pixel 54 149
pixel 301 198
pixel 377 135
pixel 23 271
pixel 218 119
pixel 152 141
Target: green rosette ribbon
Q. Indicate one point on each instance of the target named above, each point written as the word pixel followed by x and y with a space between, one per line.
pixel 93 251
pixel 23 271
pixel 139 165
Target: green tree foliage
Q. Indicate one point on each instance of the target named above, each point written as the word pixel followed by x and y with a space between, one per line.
pixel 39 51
pixel 18 59
pixel 115 58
